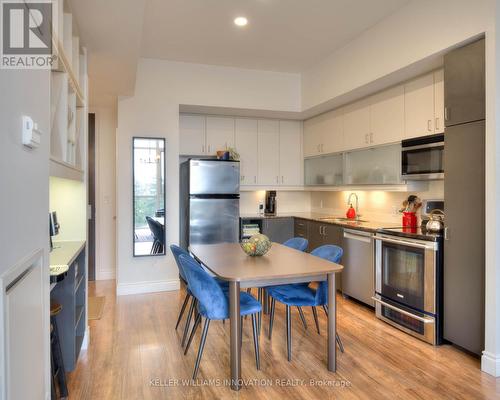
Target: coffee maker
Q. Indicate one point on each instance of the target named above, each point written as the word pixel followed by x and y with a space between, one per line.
pixel 270 203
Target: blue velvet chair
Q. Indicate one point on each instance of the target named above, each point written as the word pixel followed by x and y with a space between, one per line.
pixel 300 295
pixel 178 251
pixel 158 232
pixel 213 304
pixel 296 243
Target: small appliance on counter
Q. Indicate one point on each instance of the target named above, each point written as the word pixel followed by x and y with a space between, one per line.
pixel 53 227
pixel 270 209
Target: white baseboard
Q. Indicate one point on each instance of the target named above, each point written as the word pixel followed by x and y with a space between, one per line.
pixel 123 289
pixel 86 339
pixel 490 363
pixel 105 275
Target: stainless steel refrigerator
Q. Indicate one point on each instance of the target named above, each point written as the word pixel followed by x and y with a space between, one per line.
pixel 209 202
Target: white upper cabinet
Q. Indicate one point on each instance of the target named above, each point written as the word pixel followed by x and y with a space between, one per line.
pixel 324 134
pixel 357 124
pixel 192 135
pixel 419 106
pixel 387 116
pixel 439 101
pixel 246 143
pixel 313 135
pixel 220 134
pixel 290 154
pixel 269 151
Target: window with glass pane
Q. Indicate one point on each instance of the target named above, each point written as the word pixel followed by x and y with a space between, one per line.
pixel 149 196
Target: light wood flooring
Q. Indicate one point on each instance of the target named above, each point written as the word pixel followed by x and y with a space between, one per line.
pixel 135 354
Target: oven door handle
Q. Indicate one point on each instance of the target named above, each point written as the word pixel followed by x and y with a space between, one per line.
pixel 422 319
pixel 406 243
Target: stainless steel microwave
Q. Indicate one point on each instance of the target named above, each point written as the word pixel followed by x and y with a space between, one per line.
pixel 422 158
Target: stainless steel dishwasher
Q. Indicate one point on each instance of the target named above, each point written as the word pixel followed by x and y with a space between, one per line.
pixel 358 276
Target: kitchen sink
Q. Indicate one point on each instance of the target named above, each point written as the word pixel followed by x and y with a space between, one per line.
pixel 342 219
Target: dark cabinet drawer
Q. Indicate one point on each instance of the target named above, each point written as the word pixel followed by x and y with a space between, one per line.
pixel 301 228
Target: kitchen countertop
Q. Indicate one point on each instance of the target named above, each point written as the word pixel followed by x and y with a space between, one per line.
pixel 369 226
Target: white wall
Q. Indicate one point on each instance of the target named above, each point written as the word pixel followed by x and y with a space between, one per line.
pixel 413 33
pixel 287 201
pixel 154 111
pixel 67 198
pixel 106 120
pixel 24 206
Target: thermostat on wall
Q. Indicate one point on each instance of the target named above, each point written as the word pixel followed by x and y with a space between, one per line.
pixel 31 134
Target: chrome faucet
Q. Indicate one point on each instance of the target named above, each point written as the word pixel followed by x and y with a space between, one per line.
pixel 349 202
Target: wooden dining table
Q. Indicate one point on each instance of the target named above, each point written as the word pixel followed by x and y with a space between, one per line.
pixel 281 265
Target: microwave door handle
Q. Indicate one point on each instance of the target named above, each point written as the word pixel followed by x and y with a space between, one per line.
pixel 404 243
pixel 418 318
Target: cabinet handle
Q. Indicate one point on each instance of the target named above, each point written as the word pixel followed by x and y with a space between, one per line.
pixel 282 179
pixel 429 125
pixel 319 148
pixel 203 148
pixel 446 114
pixel 366 138
pixel 437 123
pixel 320 230
pixel 277 179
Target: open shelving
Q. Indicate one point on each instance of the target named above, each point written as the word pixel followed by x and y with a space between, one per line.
pixel 69 96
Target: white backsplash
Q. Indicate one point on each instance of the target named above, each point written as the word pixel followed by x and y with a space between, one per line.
pixel 380 206
pixel 287 202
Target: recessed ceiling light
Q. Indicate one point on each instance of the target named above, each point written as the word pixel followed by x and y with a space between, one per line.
pixel 240 21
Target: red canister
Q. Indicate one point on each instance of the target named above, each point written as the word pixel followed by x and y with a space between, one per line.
pixel 409 219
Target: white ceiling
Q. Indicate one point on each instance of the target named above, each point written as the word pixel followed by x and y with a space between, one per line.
pixel 282 35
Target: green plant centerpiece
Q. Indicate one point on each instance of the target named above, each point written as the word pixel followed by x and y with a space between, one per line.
pixel 257 245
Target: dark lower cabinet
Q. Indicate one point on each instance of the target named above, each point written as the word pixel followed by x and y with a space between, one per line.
pixel 319 234
pixel 279 230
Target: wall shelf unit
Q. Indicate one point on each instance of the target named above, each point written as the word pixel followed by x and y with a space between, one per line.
pixel 69 99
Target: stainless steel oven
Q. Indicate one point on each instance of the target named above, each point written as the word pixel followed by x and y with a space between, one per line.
pixel 422 158
pixel 407 284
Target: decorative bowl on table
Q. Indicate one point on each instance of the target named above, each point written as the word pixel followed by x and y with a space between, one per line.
pixel 257 245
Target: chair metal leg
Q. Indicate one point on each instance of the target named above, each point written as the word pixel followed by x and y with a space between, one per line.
pixel 249 290
pixel 315 314
pixel 325 309
pixel 183 308
pixel 260 295
pixel 301 313
pixel 193 331
pixel 202 346
pixel 289 333
pixel 256 340
pixel 188 321
pixel 58 361
pixel 339 342
pixel 271 317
